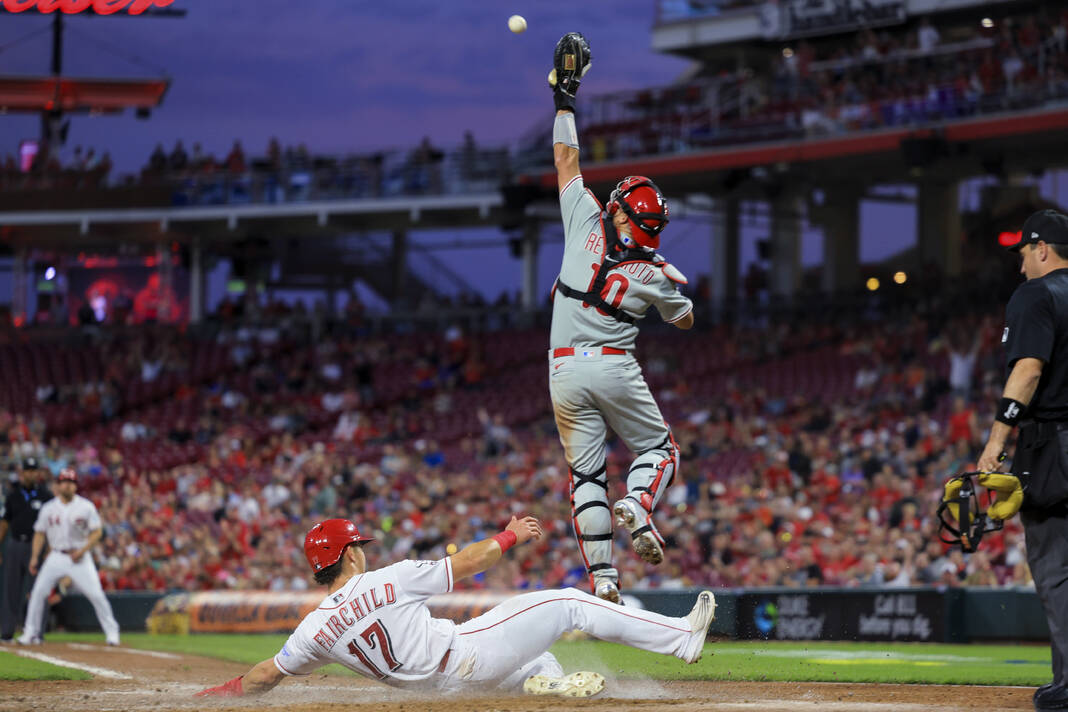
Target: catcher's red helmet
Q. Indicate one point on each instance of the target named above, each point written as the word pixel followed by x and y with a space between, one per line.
pixel 644 205
pixel 327 540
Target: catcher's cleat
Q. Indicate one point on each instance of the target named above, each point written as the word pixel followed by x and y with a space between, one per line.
pixel 702 615
pixel 646 540
pixel 577 684
pixel 608 590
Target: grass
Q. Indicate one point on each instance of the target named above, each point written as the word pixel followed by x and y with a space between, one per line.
pixel 13 667
pixel 754 661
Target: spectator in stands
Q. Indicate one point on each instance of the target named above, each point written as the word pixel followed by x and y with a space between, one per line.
pixel 235 160
pixel 178 161
pixel 158 162
pixel 927 36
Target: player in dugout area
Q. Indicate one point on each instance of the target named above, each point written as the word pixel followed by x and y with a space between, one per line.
pixel 610 276
pixel 376 622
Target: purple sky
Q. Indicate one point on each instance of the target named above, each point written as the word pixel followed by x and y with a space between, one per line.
pixel 348 75
pixel 336 74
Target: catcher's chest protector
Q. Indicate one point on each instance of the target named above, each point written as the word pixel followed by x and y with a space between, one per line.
pixel 612 258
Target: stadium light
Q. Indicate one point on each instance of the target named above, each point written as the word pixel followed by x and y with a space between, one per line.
pixel 787 52
pixel 50 273
pixel 900 277
pixel 986 22
pixel 872 284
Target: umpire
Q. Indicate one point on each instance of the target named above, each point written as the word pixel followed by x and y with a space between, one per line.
pixel 21 506
pixel 1036 399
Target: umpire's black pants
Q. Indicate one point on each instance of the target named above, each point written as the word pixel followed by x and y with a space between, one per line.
pixel 1046 534
pixel 16 581
pixel 1041 461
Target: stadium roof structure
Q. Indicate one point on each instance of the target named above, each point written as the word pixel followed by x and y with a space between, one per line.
pixel 35 94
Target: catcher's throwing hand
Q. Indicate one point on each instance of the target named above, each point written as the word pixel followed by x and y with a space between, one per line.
pixel 524 529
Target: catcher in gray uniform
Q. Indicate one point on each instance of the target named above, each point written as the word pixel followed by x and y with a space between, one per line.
pixel 609 277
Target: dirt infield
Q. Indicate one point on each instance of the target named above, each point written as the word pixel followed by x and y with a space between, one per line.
pixel 164 681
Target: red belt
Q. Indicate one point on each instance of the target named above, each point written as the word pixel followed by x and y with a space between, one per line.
pixel 605 350
pixel 444 661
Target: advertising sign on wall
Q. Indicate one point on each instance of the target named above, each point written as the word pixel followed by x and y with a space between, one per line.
pixel 908 616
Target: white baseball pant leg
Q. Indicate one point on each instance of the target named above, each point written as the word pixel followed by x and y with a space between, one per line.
pixel 84 577
pixel 509 643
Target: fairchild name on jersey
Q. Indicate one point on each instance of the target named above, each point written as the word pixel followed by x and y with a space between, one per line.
pixel 70 7
pixel 359 607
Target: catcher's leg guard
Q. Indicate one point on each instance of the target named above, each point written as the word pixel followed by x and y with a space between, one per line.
pixel 650 475
pixel 592 520
pixel 652 472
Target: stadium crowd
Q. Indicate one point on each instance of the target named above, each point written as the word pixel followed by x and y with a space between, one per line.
pixel 813 451
pixel 870 79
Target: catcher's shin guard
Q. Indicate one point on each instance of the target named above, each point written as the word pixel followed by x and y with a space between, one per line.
pixel 592 519
pixel 652 472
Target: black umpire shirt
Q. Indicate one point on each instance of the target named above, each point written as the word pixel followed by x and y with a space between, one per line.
pixel 1037 327
pixel 21 508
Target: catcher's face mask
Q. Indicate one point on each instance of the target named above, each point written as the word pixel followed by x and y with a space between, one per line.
pixel 961 506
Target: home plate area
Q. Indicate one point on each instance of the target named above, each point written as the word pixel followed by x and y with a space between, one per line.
pixel 167 681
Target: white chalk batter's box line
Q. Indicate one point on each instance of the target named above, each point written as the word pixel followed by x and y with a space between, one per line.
pixel 91 669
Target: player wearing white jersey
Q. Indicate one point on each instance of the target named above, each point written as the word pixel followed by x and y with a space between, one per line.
pixel 377 623
pixel 609 278
pixel 72 527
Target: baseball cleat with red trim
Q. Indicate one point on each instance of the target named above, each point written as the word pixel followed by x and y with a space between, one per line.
pixel 646 540
pixel 577 684
pixel 702 615
pixel 607 590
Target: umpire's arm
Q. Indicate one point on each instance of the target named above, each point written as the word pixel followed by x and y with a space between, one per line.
pixel 1021 386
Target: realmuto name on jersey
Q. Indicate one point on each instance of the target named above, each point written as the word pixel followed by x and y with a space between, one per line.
pixel 353 611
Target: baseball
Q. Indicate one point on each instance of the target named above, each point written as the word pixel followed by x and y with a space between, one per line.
pixel 517 24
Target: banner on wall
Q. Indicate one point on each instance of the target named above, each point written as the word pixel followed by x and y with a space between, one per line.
pixel 915 616
pixel 281 611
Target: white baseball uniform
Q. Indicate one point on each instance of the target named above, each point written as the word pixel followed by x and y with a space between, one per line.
pixel 67 526
pixel 378 625
pixel 592 389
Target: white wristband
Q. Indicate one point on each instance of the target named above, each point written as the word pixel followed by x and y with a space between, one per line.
pixel 564 130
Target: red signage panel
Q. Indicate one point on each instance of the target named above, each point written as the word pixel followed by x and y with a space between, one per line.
pixel 71 7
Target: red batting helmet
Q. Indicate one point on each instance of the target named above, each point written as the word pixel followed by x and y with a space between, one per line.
pixel 644 205
pixel 327 541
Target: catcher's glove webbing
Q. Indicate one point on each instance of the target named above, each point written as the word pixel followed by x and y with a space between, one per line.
pixel 571 61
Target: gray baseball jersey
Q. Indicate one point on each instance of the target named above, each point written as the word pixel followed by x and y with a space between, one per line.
pixel 634 286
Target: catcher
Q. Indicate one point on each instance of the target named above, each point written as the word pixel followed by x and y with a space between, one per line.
pixel 376 623
pixel 609 277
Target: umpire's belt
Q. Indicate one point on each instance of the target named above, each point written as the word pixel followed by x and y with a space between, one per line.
pixel 587 351
pixel 1041 429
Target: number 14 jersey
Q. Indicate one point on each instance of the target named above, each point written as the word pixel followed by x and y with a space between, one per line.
pixel 378 625
pixel 633 286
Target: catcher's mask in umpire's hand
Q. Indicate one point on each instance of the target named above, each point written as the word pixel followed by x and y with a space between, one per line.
pixel 961 504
